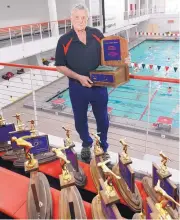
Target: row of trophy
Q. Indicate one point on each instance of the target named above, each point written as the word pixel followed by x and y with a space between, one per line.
pixel 120 183
pixel 112 185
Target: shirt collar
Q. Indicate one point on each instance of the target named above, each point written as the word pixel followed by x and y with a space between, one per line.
pixel 75 37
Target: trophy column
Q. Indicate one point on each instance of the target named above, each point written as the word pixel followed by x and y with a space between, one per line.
pixel 79 175
pixel 126 185
pixel 70 204
pixel 39 201
pixel 161 173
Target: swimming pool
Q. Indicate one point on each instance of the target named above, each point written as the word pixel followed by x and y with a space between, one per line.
pixel 130 100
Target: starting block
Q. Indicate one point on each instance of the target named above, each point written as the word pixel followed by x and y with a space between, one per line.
pixel 163 123
pixel 58 104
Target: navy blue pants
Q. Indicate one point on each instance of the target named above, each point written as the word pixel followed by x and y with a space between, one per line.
pixel 98 98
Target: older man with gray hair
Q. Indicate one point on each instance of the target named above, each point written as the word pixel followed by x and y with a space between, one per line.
pixel 78 52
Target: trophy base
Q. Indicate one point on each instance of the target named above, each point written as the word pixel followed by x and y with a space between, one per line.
pixel 64 184
pixel 13 155
pixel 44 197
pixel 126 162
pixel 71 204
pixel 72 145
pixel 42 158
pixel 164 175
pixel 133 200
pixel 96 172
pixel 5 147
pixel 80 177
pixel 148 187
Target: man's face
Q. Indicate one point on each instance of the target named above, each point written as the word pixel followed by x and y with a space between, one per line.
pixel 79 19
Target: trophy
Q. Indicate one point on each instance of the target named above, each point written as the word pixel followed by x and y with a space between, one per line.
pixel 104 204
pixel 78 172
pixel 160 208
pixel 70 203
pixel 161 173
pixel 39 200
pixel 20 131
pixel 41 150
pixel 96 171
pixel 4 134
pixel 126 185
pixel 113 70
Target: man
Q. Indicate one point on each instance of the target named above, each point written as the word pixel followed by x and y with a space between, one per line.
pixel 78 52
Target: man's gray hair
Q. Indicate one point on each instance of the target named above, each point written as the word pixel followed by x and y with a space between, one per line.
pixel 80 6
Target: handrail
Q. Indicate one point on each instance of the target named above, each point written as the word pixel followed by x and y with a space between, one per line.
pixel 39 23
pixel 152 78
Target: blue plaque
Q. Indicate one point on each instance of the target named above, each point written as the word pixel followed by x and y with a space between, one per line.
pixel 40 144
pixel 102 78
pixel 127 174
pixel 18 134
pixel 108 211
pixel 72 156
pixel 112 50
pixel 4 132
pixel 149 209
pixel 166 184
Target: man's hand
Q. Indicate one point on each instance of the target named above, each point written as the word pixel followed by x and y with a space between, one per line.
pixel 85 81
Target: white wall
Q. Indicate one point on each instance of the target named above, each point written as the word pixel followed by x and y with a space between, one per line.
pixel 162 23
pixel 23 12
pixel 114 14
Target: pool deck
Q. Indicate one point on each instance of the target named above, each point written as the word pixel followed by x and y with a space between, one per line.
pixel 51 120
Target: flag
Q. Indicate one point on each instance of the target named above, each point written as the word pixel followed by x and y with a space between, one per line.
pixel 135 64
pixel 166 68
pixel 147 66
pixel 159 67
pixel 154 66
pixel 143 65
pixel 175 69
pixel 139 65
pixel 150 66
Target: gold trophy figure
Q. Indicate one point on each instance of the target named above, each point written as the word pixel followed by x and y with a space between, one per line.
pixel 21 142
pixel 32 128
pixel 124 155
pixel 163 199
pixel 20 125
pixel 63 161
pixel 68 141
pixel 2 121
pixel 109 188
pixel 163 168
pixel 97 148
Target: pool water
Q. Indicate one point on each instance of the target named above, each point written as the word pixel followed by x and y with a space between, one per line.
pixel 131 99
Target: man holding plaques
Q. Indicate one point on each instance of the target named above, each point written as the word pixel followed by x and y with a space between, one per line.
pixel 78 52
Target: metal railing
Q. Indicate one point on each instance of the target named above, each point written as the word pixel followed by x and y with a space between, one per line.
pixel 41 93
pixel 148 11
pixel 30 32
